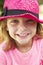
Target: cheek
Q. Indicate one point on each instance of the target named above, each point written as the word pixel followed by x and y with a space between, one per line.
pixel 33 28
pixel 12 29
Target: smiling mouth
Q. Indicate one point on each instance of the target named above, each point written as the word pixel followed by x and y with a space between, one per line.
pixel 22 36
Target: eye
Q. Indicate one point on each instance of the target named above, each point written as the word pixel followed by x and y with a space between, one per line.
pixel 29 21
pixel 14 22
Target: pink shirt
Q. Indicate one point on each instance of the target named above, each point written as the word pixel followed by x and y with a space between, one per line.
pixel 14 57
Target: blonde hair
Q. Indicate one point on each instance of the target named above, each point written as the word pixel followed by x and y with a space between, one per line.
pixel 4 34
pixel 6 37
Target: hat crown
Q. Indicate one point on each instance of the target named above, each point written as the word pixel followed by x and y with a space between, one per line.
pixel 29 5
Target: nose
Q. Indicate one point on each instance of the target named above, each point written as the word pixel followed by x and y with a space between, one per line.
pixel 21 26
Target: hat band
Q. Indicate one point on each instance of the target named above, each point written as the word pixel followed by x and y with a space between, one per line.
pixel 7 12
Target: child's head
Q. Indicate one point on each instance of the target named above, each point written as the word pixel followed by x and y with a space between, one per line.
pixel 21 29
pixel 20 20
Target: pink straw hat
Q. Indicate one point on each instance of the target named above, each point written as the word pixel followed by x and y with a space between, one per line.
pixel 21 8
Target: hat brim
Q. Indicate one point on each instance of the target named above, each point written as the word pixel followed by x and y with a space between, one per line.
pixel 25 15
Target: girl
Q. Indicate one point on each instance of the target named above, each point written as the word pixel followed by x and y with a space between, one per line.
pixel 21 44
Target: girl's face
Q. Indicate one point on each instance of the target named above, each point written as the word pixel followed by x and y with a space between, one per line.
pixel 21 29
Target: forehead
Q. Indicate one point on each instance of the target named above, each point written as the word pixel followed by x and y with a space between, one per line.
pixel 17 18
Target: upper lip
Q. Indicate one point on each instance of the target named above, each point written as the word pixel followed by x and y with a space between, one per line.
pixel 22 35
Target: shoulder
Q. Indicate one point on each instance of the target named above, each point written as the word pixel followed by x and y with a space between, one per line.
pixel 5 57
pixel 39 43
pixel 38 40
pixel 39 47
pixel 41 51
pixel 2 58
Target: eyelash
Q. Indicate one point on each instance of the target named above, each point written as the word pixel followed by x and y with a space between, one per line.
pixel 15 21
pixel 30 21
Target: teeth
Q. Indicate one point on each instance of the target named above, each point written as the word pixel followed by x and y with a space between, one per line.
pixel 23 34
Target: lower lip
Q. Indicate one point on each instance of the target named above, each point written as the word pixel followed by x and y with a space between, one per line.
pixel 22 36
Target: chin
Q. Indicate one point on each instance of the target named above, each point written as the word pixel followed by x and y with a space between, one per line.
pixel 22 42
